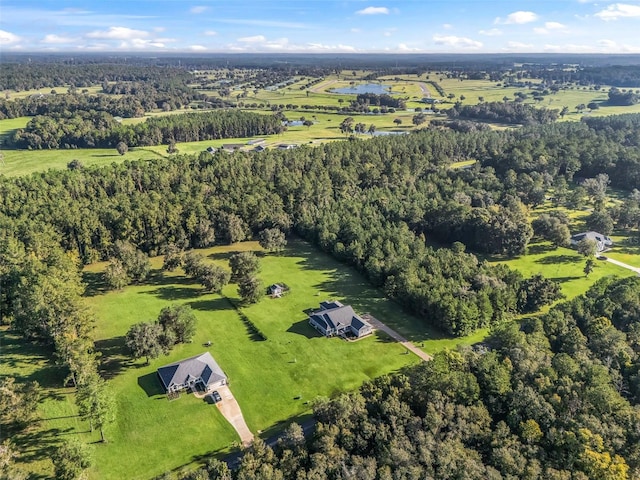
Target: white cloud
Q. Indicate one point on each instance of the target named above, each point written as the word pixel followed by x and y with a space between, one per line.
pixel 140 44
pixel 619 10
pixel 373 11
pixel 7 38
pixel 211 33
pixel 263 23
pixel 355 30
pixel 607 43
pixel 56 39
pixel 517 18
pixel 493 32
pixel 198 9
pixel 253 39
pixel 159 29
pixel 402 47
pixel 456 42
pixel 518 45
pixel 447 26
pixel 550 27
pixel 118 33
pixel 197 48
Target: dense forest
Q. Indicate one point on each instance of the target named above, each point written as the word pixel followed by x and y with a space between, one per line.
pixel 555 398
pixel 99 129
pixel 369 203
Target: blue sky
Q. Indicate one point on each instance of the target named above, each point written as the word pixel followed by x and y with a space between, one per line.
pixel 321 26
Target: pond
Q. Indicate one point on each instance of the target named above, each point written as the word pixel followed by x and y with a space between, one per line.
pixel 376 88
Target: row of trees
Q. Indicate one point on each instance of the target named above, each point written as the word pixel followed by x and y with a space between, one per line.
pixel 99 129
pixel 504 112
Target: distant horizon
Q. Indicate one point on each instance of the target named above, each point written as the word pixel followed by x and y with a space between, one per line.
pixel 494 27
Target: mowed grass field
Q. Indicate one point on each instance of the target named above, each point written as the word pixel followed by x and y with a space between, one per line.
pixel 274 381
pixel 563 265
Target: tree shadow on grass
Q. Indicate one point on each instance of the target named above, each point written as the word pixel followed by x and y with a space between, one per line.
pixel 539 248
pixel 555 259
pixel 115 356
pixel 95 284
pixel 150 383
pixel 303 328
pixel 211 305
pixel 565 279
pixel 173 293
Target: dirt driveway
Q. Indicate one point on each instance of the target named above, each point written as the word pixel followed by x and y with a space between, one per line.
pixel 231 411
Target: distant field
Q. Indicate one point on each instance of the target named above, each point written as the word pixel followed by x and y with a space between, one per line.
pixel 47 91
pixel 25 162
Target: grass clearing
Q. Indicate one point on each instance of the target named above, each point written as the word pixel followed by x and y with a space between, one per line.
pixel 272 380
pixel 562 265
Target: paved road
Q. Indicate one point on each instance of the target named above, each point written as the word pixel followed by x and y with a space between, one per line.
pixel 378 325
pixel 624 265
pixel 231 411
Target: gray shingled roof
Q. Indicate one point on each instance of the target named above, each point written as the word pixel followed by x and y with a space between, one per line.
pixel 201 366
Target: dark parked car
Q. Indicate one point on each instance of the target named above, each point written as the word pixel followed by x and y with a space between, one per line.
pixel 213 397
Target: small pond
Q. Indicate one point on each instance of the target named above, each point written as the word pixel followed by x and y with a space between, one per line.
pixel 376 88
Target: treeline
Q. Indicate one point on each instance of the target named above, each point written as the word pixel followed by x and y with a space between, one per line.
pixel 382 100
pixel 552 399
pixel 618 75
pixel 99 129
pixel 623 97
pixel 60 104
pixel 36 75
pixel 595 145
pixel 504 112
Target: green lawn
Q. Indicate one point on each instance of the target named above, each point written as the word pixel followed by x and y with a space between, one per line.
pixel 273 380
pixel 563 265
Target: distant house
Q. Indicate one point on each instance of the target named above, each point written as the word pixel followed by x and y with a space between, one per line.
pixel 602 241
pixel 211 150
pixel 260 148
pixel 287 146
pixel 200 371
pixel 232 147
pixel 334 318
pixel 256 141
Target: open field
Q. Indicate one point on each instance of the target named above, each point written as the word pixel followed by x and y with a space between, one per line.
pixel 273 380
pixel 563 265
pixel 25 162
pixel 326 126
pixel 12 95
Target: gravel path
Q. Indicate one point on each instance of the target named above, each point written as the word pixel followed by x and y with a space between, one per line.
pixel 624 265
pixel 378 325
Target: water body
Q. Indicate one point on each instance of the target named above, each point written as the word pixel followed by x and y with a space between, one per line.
pixel 363 88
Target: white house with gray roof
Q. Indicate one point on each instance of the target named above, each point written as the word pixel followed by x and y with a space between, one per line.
pixel 334 318
pixel 199 371
pixel 602 241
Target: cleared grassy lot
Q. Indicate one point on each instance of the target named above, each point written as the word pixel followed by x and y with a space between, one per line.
pixel 562 265
pixel 273 380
